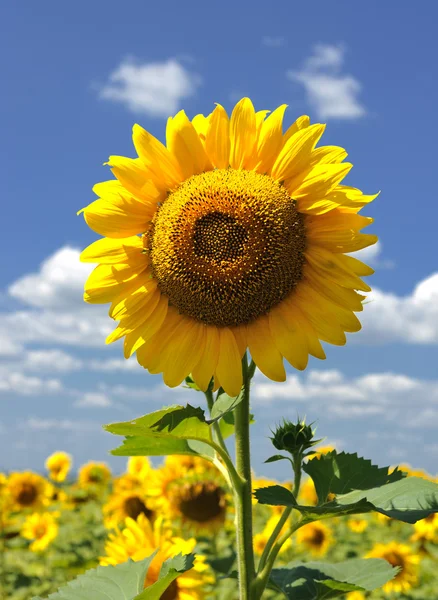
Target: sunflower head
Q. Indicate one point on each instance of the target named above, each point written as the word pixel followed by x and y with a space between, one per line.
pixel 128 503
pixel 200 504
pixel 234 235
pixel 94 474
pixel 402 557
pixel 58 464
pixel 28 490
pixel 357 525
pixel 139 467
pixel 41 528
pixel 315 537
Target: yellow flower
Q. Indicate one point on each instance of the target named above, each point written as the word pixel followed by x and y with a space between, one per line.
pixel 415 472
pixel 322 450
pixel 316 537
pixel 58 464
pixel 261 539
pixel 398 555
pixel 355 596
pixel 94 473
pixel 42 528
pixel 140 539
pixel 235 235
pixel 426 530
pixel 139 466
pixel 357 525
pixel 128 503
pixel 202 505
pixel 28 490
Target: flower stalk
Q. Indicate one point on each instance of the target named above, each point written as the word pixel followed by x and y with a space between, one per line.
pixel 245 551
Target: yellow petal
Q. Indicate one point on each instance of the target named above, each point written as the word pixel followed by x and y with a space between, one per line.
pixel 328 155
pixel 217 140
pixel 242 134
pixel 107 281
pixel 118 217
pixel 127 251
pixel 184 143
pixel 136 178
pixel 264 351
pixel 318 181
pixel 156 157
pixel 151 325
pixel 150 353
pixel 240 334
pixel 136 317
pixel 186 352
pixel 200 123
pixel 126 303
pixel 203 371
pixel 270 140
pixel 296 152
pixel 334 267
pixel 313 343
pixel 301 123
pixel 350 197
pixel 229 367
pixel 326 329
pixel 356 266
pixel 342 296
pixel 338 314
pixel 288 335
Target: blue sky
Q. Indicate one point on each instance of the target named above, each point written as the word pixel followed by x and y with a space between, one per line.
pixel 75 79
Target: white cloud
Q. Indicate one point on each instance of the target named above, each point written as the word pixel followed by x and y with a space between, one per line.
pixel 51 361
pixel 39 424
pixel 330 93
pixel 58 284
pixel 412 318
pixel 272 41
pixel 398 397
pixel 155 89
pixel 94 400
pixel 115 364
pixel 19 383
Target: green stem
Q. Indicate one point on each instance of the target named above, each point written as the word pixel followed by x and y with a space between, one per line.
pixel 297 464
pixel 216 427
pixel 245 551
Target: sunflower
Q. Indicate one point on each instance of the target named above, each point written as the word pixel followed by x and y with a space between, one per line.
pixel 308 495
pixel 128 503
pixel 58 464
pixel 94 474
pixel 426 530
pixel 355 596
pixel 357 525
pixel 232 236
pixel 140 539
pixel 42 528
pixel 28 490
pixel 398 555
pixel 201 505
pixel 139 466
pixel 321 451
pixel 316 537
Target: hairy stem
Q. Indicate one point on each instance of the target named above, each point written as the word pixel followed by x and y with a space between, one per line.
pixel 244 496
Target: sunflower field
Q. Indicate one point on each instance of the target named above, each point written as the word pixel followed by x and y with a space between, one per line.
pixel 55 527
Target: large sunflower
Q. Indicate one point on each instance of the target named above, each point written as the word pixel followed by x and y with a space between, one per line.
pixel 28 490
pixel 140 539
pixel 398 555
pixel 231 237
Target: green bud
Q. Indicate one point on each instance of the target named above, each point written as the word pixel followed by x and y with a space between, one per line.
pixel 295 438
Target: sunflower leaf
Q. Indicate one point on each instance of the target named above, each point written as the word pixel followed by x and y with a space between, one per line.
pixel 409 500
pixel 224 405
pixel 318 581
pixel 170 570
pixel 171 430
pixel 341 473
pixel 120 582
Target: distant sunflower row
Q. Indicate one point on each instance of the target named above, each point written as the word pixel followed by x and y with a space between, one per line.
pixel 185 506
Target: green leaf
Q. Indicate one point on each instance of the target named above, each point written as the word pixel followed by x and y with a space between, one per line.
pixel 410 500
pixel 278 457
pixel 224 405
pixel 190 383
pixel 122 582
pixel 171 430
pixel 223 564
pixel 170 570
pixel 317 581
pixel 226 425
pixel 342 473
